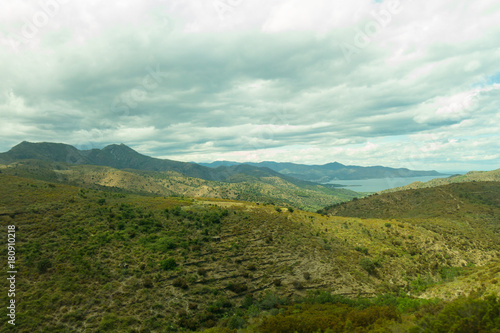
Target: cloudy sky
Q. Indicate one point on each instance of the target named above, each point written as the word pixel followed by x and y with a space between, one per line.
pixel 398 83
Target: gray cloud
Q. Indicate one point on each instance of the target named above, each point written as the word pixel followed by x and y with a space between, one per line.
pixel 183 80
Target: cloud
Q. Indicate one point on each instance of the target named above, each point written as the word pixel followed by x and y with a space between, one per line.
pixel 204 80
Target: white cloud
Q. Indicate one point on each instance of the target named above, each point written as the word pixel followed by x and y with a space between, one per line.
pixel 258 80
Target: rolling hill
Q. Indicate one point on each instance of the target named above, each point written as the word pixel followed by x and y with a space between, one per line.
pixel 252 184
pixel 92 260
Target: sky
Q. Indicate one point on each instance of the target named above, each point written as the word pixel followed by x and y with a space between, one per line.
pixel 400 83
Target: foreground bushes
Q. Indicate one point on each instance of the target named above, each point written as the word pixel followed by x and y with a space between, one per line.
pixel 463 315
pixel 329 318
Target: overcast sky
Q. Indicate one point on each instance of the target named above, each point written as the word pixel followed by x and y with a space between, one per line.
pixel 397 83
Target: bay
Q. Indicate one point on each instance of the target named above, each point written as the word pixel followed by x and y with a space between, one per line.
pixel 380 184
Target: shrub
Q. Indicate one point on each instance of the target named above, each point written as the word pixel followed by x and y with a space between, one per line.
pixel 361 249
pixel 369 265
pixel 168 264
pixel 180 283
pixel 147 282
pixel 270 301
pixel 236 322
pixel 237 287
pixel 44 265
pixel 464 315
pixel 450 273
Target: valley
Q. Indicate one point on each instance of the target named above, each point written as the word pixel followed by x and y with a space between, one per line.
pixel 217 265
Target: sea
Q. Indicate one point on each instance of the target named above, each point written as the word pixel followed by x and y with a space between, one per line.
pixel 380 184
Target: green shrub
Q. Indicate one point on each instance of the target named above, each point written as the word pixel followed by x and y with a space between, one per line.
pixel 463 315
pixel 236 322
pixel 369 265
pixel 44 265
pixel 180 283
pixel 361 249
pixel 168 264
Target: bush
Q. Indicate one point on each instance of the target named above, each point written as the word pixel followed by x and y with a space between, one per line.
pixel 450 273
pixel 361 249
pixel 369 265
pixel 180 283
pixel 462 316
pixel 168 264
pixel 44 265
pixel 236 322
pixel 147 282
pixel 237 287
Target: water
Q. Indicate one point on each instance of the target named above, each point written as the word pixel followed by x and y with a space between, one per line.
pixel 375 185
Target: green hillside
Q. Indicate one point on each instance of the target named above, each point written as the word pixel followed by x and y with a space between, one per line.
pixel 92 260
pixel 252 186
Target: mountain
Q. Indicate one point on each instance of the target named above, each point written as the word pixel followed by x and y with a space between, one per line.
pixel 123 157
pixel 332 171
pixel 471 176
pixel 92 260
pixel 242 182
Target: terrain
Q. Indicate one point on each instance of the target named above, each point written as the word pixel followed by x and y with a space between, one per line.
pixel 249 187
pixel 123 157
pixel 331 171
pixel 94 260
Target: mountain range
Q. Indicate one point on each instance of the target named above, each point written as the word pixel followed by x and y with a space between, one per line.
pixel 120 168
pixel 331 171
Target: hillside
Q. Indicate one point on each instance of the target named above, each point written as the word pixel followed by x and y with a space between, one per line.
pixel 458 201
pixel 124 157
pixel 251 184
pixel 472 176
pixel 91 260
pixel 331 171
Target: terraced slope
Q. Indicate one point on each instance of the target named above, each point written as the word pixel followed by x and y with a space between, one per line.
pixel 101 261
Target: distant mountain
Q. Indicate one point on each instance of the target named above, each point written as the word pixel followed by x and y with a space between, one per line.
pixel 120 168
pixel 332 171
pixel 124 157
pixel 472 176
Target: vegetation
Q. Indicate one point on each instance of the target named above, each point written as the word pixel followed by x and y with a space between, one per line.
pixel 267 189
pixel 111 261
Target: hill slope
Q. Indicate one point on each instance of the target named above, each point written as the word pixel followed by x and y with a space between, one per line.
pixel 247 183
pixel 459 200
pixel 101 261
